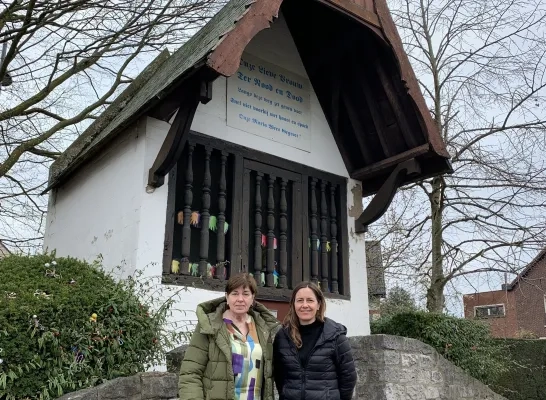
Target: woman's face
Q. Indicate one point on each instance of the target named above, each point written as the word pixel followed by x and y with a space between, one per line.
pixel 306 306
pixel 239 300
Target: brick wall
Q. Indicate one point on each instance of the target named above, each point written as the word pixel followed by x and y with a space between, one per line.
pixel 501 327
pixel 529 293
pixel 524 303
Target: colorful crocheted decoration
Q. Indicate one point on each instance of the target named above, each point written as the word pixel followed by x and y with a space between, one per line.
pixel 195 221
pixel 212 223
pixel 328 245
pixel 264 241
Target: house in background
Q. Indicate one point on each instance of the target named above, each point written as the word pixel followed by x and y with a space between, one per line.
pixel 519 308
pixel 377 289
pixel 250 149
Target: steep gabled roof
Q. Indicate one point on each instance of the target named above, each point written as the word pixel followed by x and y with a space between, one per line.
pixel 150 87
pixel 354 58
pixel 525 271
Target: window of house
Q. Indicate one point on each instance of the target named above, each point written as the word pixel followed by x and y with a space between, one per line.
pixel 489 311
pixel 233 209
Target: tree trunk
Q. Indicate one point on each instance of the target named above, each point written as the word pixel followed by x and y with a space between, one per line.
pixel 435 293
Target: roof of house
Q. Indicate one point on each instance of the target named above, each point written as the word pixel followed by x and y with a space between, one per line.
pixel 525 271
pixel 376 111
pixel 375 269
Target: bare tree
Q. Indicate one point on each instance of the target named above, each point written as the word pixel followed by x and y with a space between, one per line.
pixel 481 65
pixel 65 61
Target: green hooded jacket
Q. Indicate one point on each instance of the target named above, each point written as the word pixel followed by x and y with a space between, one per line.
pixel 206 372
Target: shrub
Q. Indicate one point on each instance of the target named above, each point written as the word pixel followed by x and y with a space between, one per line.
pixel 525 334
pixel 527 379
pixel 466 343
pixel 50 342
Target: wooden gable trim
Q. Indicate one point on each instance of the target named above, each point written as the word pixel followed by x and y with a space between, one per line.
pixel 225 58
pixel 356 12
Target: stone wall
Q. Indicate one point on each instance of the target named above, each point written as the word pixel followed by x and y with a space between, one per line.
pixel 389 368
pixel 397 368
pixel 144 386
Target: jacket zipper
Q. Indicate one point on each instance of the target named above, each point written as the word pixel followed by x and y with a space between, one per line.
pixel 304 369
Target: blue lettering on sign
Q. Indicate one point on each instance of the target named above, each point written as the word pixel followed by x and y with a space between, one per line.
pixel 260 110
pixel 257 80
pixel 247 65
pixel 291 134
pixel 258 122
pixel 290 82
pixel 243 77
pixel 294 97
pixel 243 91
pixel 263 85
pixel 267 72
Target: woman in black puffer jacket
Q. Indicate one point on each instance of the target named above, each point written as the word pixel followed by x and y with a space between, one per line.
pixel 312 357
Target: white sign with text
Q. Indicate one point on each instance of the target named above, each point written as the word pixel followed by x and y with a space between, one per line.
pixel 271 102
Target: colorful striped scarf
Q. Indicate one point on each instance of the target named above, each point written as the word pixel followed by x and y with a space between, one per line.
pixel 247 361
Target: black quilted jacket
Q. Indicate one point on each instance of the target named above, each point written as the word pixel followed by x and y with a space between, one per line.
pixel 329 374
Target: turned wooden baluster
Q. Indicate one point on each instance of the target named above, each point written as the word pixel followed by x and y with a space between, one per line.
pixel 333 232
pixel 205 216
pixel 269 278
pixel 323 238
pixel 188 200
pixel 283 227
pixel 314 237
pixel 221 236
pixel 258 230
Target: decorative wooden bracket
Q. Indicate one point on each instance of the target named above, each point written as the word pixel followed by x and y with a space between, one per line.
pixel 381 201
pixel 178 134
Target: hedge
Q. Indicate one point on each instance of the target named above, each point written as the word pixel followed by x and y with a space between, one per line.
pixel 526 380
pixel 67 325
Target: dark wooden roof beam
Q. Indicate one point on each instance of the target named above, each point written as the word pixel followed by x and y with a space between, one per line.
pixel 358 129
pixel 178 135
pixel 382 200
pixel 379 167
pixel 378 121
pixel 394 101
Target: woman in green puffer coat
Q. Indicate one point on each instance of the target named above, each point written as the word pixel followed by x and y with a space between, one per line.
pixel 230 353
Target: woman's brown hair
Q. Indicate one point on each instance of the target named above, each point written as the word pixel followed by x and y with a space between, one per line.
pixel 243 279
pixel 291 320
